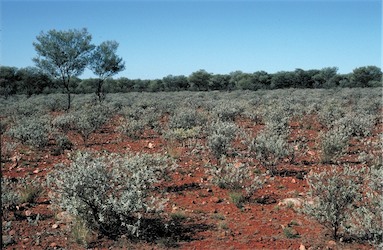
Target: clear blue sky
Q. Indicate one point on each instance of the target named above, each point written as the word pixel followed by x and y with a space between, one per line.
pixel 158 38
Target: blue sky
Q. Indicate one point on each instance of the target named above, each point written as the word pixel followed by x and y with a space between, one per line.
pixel 158 38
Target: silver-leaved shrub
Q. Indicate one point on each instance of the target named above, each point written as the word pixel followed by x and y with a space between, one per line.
pixel 335 193
pixel 111 194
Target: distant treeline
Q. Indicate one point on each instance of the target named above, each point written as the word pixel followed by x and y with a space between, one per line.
pixel 32 81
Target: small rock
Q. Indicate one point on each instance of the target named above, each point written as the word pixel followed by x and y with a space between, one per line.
pixel 28 213
pixel 311 153
pixel 53 244
pixel 266 199
pixel 302 247
pixel 331 244
pixel 25 240
pixel 295 202
pixel 7 240
pixel 64 217
pixel 150 145
pixel 54 226
pixel 293 181
pixel 36 171
pixel 215 200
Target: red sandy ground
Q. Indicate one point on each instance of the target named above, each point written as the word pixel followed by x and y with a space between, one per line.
pixel 214 222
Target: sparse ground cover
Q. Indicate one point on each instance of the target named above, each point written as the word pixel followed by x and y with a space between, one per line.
pixel 277 169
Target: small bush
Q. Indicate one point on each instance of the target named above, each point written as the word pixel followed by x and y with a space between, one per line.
pixel 270 148
pixel 111 194
pixel 186 118
pixel 80 232
pixel 29 190
pixel 237 199
pixel 134 128
pixel 9 196
pixel 88 120
pixel 235 176
pixel 333 144
pixel 181 134
pixel 32 131
pixel 220 138
pixel 64 122
pixel 64 143
pixel 290 233
pixel 227 111
pixel 334 192
pixel 369 212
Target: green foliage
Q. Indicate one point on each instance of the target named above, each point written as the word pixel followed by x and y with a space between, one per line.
pixel 29 190
pixel 111 194
pixel 181 134
pixel 290 233
pixel 33 131
pixel 105 63
pixel 63 55
pixel 334 193
pixel 80 232
pixel 237 199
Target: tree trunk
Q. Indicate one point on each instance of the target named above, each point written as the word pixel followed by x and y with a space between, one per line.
pixel 99 90
pixel 69 100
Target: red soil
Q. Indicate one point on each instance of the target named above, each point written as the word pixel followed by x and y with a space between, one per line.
pixel 214 222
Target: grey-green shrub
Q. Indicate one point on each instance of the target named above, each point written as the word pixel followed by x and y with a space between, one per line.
pixel 111 194
pixel 88 120
pixel 357 124
pixel 33 131
pixel 181 134
pixel 333 143
pixel 226 110
pixel 235 176
pixel 334 192
pixel 270 148
pixel 187 118
pixel 368 214
pixel 220 137
pixel 9 196
pixel 64 122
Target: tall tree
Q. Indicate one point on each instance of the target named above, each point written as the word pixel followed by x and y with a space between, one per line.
pixel 8 80
pixel 105 63
pixel 367 76
pixel 199 80
pixel 63 55
pixel 32 81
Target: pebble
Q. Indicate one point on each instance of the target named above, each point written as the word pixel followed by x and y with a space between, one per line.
pixel 215 200
pixel 54 226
